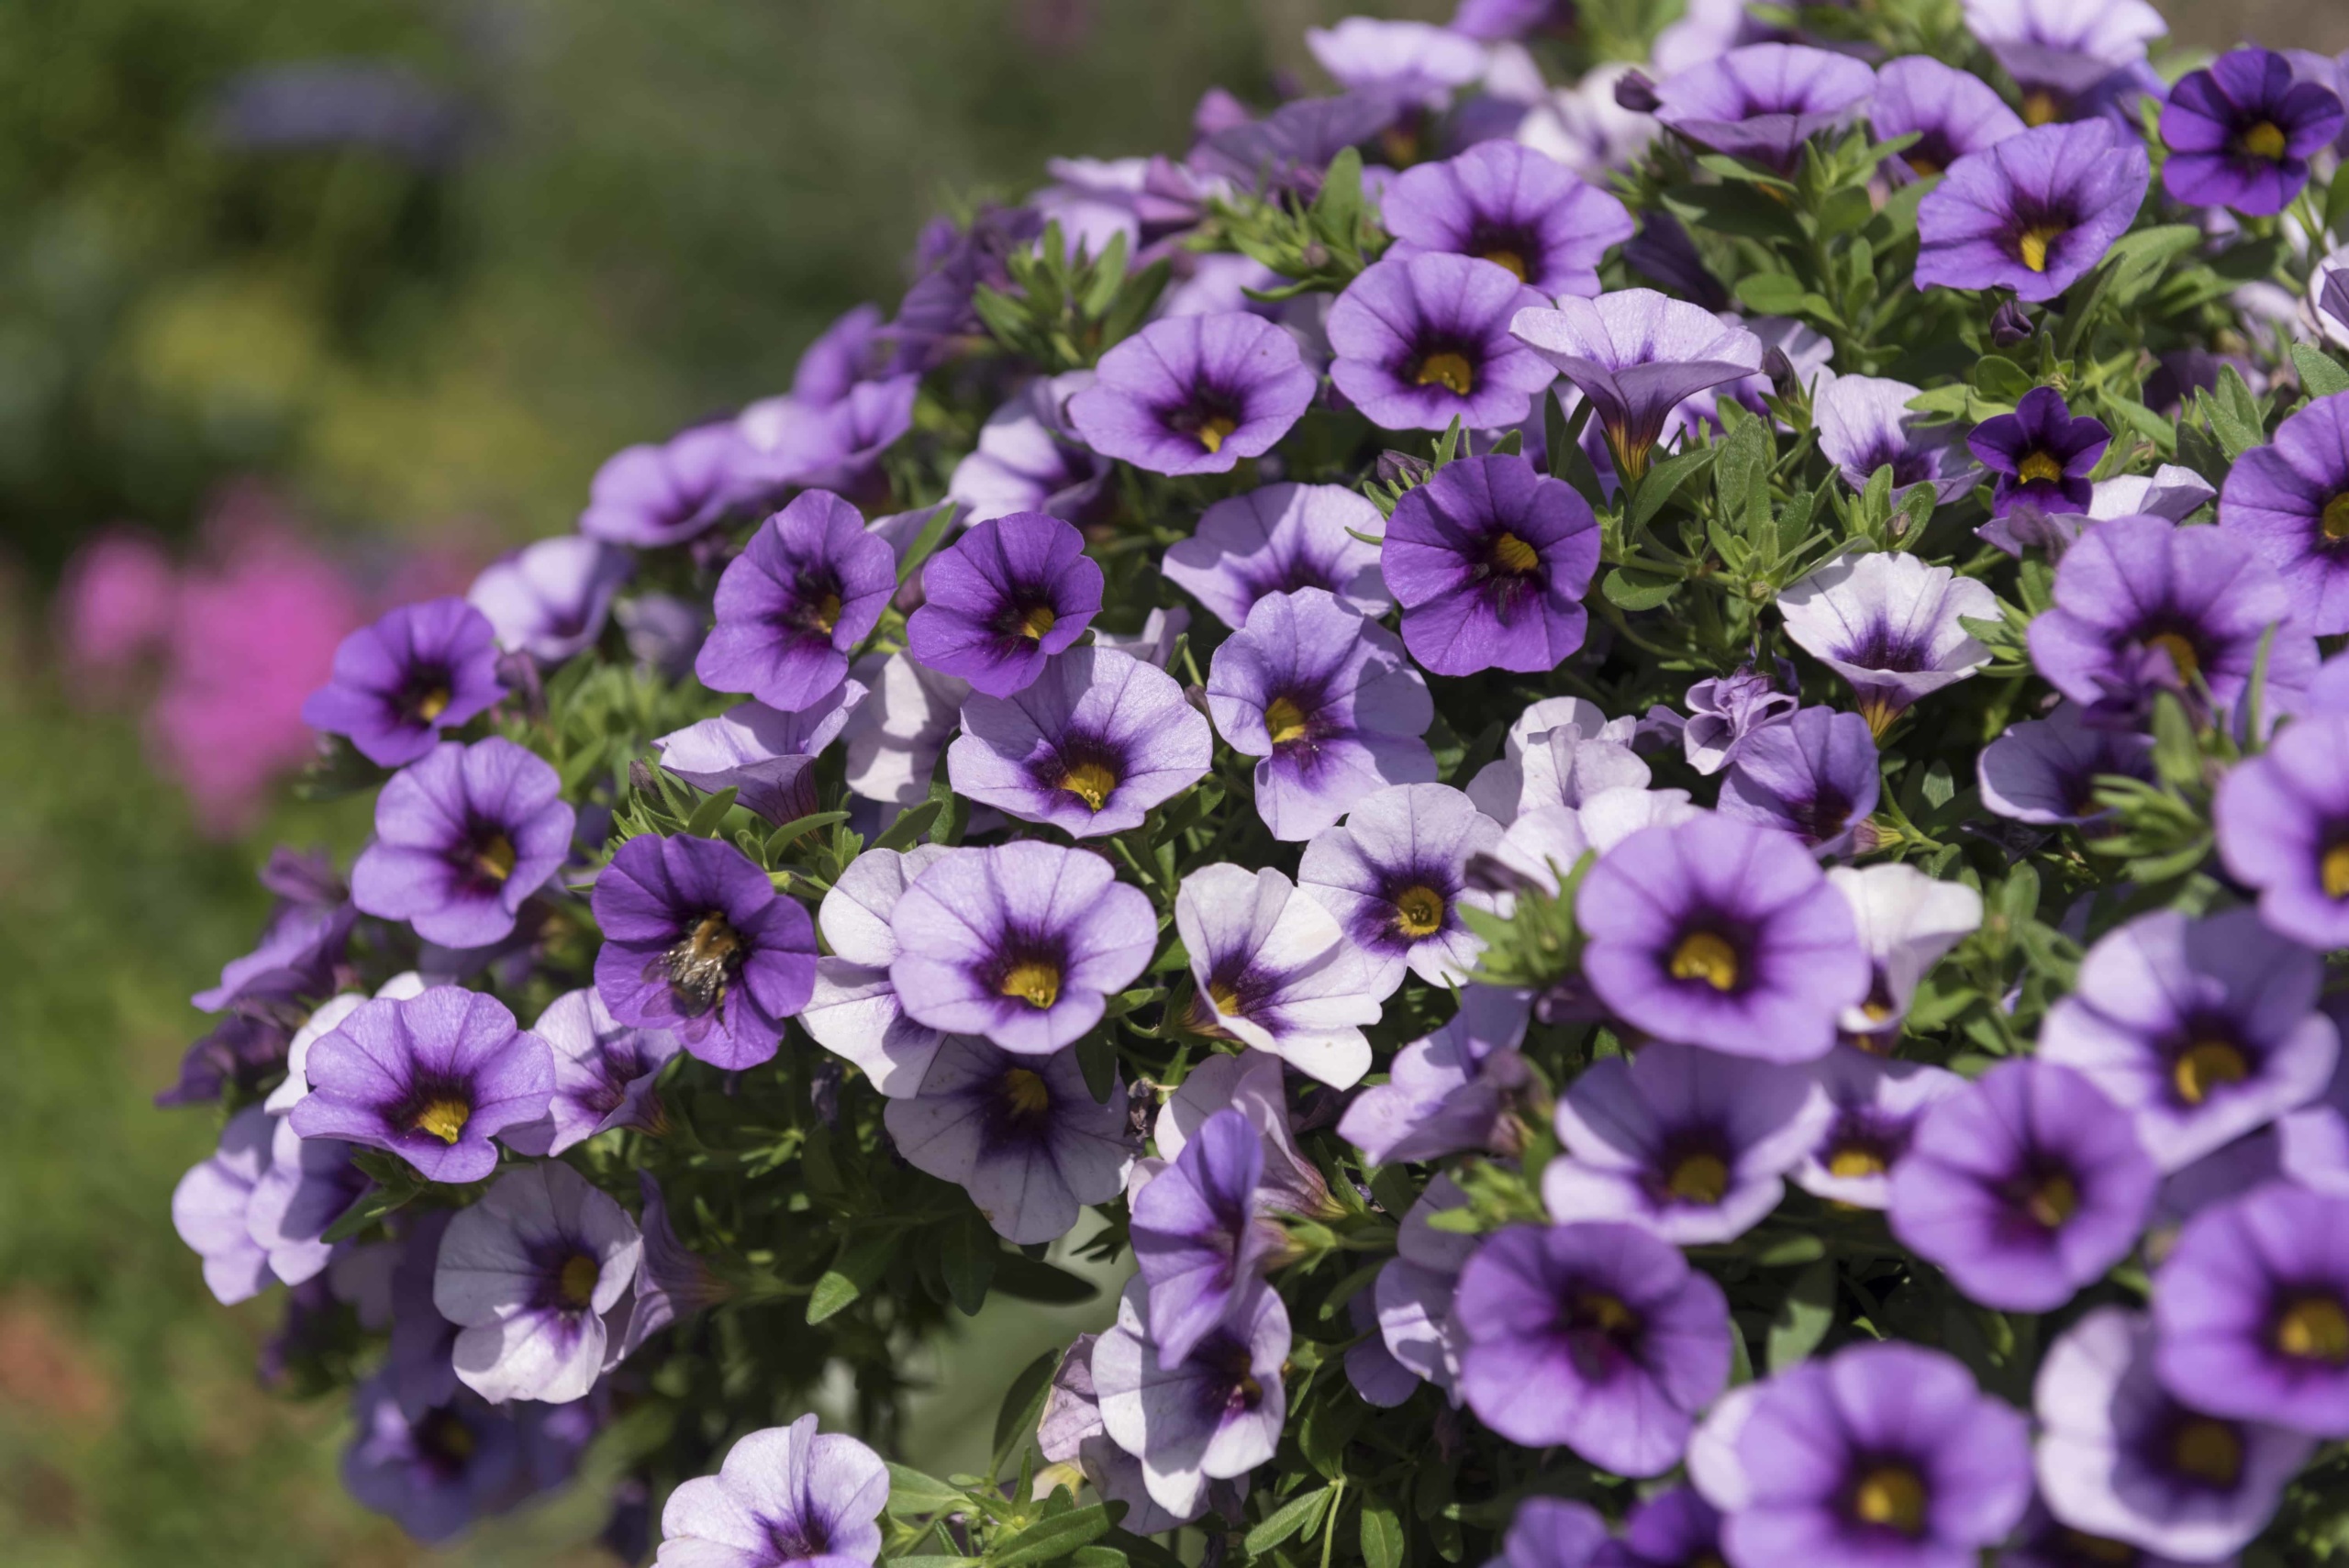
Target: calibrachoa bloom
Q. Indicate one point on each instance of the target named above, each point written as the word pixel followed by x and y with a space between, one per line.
pixel 854 1011
pixel 1724 711
pixel 1450 1091
pixel 650 496
pixel 1906 920
pixel 2039 453
pixel 1637 355
pixel 2031 213
pixel 2283 825
pixel 2251 1311
pixel 398 683
pixel 1814 777
pixel 1491 561
pixel 1277 540
pixel 1873 1108
pixel 1003 599
pixel 810 584
pixel 463 836
pixel 1216 1417
pixel 2289 501
pixel 210 1206
pixel 1421 342
pixel 1890 625
pixel 1275 971
pixel 1951 112
pixel 1393 875
pixel 1199 1242
pixel 1864 424
pixel 1194 394
pixel 436 1470
pixel 1506 204
pixel 2044 770
pixel 2240 130
pixel 785 1498
pixel 1762 103
pixel 764 755
pixel 603 1075
pixel 550 599
pixel 532 1275
pixel 1027 459
pixel 1096 741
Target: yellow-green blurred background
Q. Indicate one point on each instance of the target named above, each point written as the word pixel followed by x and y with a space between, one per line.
pixel 567 225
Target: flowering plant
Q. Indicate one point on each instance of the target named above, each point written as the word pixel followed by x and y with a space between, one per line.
pixel 1628 789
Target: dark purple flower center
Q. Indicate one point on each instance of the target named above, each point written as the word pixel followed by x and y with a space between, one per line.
pixel 1861 1144
pixel 426 695
pixel 1888 1495
pixel 815 607
pixel 486 858
pixel 1422 899
pixel 1822 817
pixel 2046 1194
pixel 2198 1451
pixel 2177 642
pixel 2313 1326
pixel 444 1443
pixel 2207 1056
pixel 704 963
pixel 1231 1389
pixel 1884 646
pixel 1451 366
pixel 2334 521
pixel 571 1278
pixel 2262 138
pixel 437 1108
pixel 1026 1099
pixel 1029 968
pixel 1932 152
pixel 1210 418
pixel 794 1538
pixel 1693 1168
pixel 1025 616
pixel 1910 464
pixel 1086 766
pixel 1601 1330
pixel 1508 245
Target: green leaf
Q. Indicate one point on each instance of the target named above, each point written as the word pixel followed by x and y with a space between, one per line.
pixel 1049 1539
pixel 859 1265
pixel 1325 1430
pixel 968 1257
pixel 1562 437
pixel 2336 203
pixel 1741 474
pixel 2321 374
pixel 703 822
pixel 912 1494
pixel 925 542
pixel 373 1207
pixel 1804 1317
pixel 909 825
pixel 1023 1402
pixel 782 837
pixel 1630 589
pixel 1299 1514
pixel 1097 1058
pixel 1664 480
pixel 1382 1536
pixel 1771 293
pixel 1032 1279
pixel 2137 259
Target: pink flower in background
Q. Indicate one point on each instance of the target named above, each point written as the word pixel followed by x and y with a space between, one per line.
pixel 116 603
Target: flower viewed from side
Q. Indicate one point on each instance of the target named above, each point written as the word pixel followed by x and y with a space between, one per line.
pixel 1071 1436
pixel 1561 752
pixel 2240 130
pixel 805 590
pixel 1864 424
pixel 1723 934
pixel 1890 625
pixel 1418 1288
pixel 2289 501
pixel 1724 711
pixel 1637 355
pixel 1003 599
pixel 1491 561
pixel 1873 1106
pixel 419 669
pixel 1814 777
pixel 1216 1417
pixel 550 599
pixel 1022 943
pixel 764 755
pixel 1681 1142
pixel 2044 771
pixel 1393 875
pixel 1906 920
pixel 1504 203
pixel 654 497
pixel 2251 1310
pixel 2283 829
pixel 2119 1459
pixel 533 1275
pixel 1674 1529
pixel 210 1206
pixel 1199 1242
pixel 895 737
pixel 1020 1133
pixel 1598 1337
pixel 2024 1187
pixel 1761 103
pixel 1278 539
pixel 1450 1091
pixel 1194 394
pixel 1096 741
pixel 1027 459
pixel 2039 453
pixel 1406 61
pixel 854 1012
pixel 309 1184
pixel 1951 112
pixel 463 836
pixel 785 1498
pixel 698 942
pixel 603 1075
pixel 2032 213
pixel 1275 971
pixel 1421 342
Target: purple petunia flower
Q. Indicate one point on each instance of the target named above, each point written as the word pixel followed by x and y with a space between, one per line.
pixel 550 599
pixel 1278 539
pixel 2289 501
pixel 1254 1084
pixel 1417 61
pixel 1638 355
pixel 1761 103
pixel 671 1280
pixel 1070 1433
pixel 1882 1453
pixel 766 756
pixel 1004 598
pixel 698 942
pixel 1194 394
pixel 1021 943
pixel 436 1470
pixel 2240 130
pixel 603 1075
pixel 2121 1459
pixel 1417 1290
pixel 785 1498
pixel 1724 711
pixel 1395 875
pixel 1890 625
pixel 1864 424
pixel 1906 920
pixel 1681 1142
pixel 1420 342
pixel 463 836
pixel 211 1206
pixel 1275 971
pixel 805 590
pixel 1951 112
pixel 534 1276
pixel 432 1079
pixel 1215 1418
pixel 1020 1133
pixel 2032 213
pixel 1199 1239
pixel 1327 700
pixel 419 669
pixel 1723 934
pixel 1286 151
pixel 2024 1187
pixel 2062 50
pixel 309 1185
pixel 897 734
pixel 1090 747
pixel 842 355
pixel 2201 1029
pixel 2039 453
pixel 1451 1091
pixel 2251 1310
pixel 1491 561
pixel 2044 770
pixel 1873 1107
pixel 1814 777
pixel 854 1012
pixel 1028 458
pixel 1506 204
pixel 654 497
pixel 2283 828
pixel 1673 1528
pixel 1598 1337
pixel 837 447
pixel 1560 751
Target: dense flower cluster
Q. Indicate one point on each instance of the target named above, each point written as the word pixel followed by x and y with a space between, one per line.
pixel 1631 791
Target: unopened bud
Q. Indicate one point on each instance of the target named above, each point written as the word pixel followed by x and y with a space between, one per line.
pixel 1781 371
pixel 2010 324
pixel 1402 470
pixel 1634 92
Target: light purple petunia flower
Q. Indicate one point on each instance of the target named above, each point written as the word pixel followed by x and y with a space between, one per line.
pixel 418 1364
pixel 2032 213
pixel 1275 971
pixel 1278 539
pixel 2043 1541
pixel 1864 424
pixel 603 1075
pixel 836 447
pixel 842 355
pixel 1873 1107
pixel 2240 132
pixel 766 756
pixel 1494 21
pixel 1020 1133
pixel 2251 1310
pixel 1417 1289
pixel 1090 747
pixel 1417 61
pixel 854 1012
pixel 2062 51
pixel 309 1184
pixel 2120 1459
pixel 1194 394
pixel 1950 111
pixel 1491 561
pixel 1884 1453
pixel 1725 711
pixel 1286 151
pixel 2039 453
pixel 419 669
pixel 671 1280
pixel 2289 501
pixel 1028 457
pixel 1598 1337
pixel 1888 624
pixel 1681 1142
pixel 1329 702
pixel 300 950
pixel 463 836
pixel 1393 875
pixel 1004 598
pixel 805 590
pixel 436 1470
pixel 785 1498
pixel 896 735
pixel 2283 829
pixel 213 1201
pixel 698 942
pixel 1723 934
pixel 1906 920
pixel 654 497
pixel 1417 343
pixel 1638 355
pixel 1022 943
pixel 1202 1236
pixel 2024 1187
pixel 432 1079
pixel 1673 1528
pixel 2044 770
pixel 1560 751
pixel 1071 1433
pixel 1814 777
pixel 1585 129
pixel 537 1276
pixel 1215 1418
pixel 1254 1084
pixel 1506 204
pixel 2201 1029
pixel 549 599
pixel 1761 103
pixel 1451 1091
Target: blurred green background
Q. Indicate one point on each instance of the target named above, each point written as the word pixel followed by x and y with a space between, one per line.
pixel 577 223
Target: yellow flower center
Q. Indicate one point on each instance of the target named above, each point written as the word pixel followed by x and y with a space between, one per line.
pixel 577 1282
pixel 1922 166
pixel 1512 554
pixel 1226 997
pixel 1891 1495
pixel 2182 656
pixel 2335 519
pixel 1090 783
pixel 1702 955
pixel 2315 1327
pixel 1698 1178
pixel 1606 1313
pixel 1035 981
pixel 2031 246
pixel 2207 1450
pixel 1510 258
pixel 432 704
pixel 2052 1201
pixel 1025 1095
pixel 1035 623
pixel 2040 468
pixel 2203 1066
pixel 2264 139
pixel 825 613
pixel 1283 721
pixel 495 860
pixel 1418 912
pixel 2335 869
pixel 1450 370
pixel 1855 1159
pixel 1214 430
pixel 443 1118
